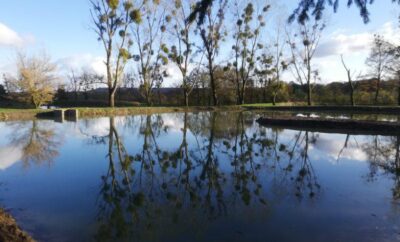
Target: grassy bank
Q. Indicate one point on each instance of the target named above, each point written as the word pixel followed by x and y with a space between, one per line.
pixel 10 231
pixel 88 112
pixel 28 114
pixel 19 114
pixel 97 112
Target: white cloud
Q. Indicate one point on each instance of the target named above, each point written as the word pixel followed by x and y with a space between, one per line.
pixel 9 156
pixel 99 127
pixel 10 38
pixel 344 44
pixel 83 61
pixel 390 32
pixel 333 147
pixel 174 75
pixel 354 46
pixel 357 43
pixel 174 123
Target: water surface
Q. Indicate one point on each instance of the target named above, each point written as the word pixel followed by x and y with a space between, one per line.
pixel 209 176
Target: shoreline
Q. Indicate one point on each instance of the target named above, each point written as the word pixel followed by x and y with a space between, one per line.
pixel 337 126
pixel 86 112
pixel 29 114
pixel 10 231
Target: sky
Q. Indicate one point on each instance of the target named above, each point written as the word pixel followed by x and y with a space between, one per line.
pixel 62 29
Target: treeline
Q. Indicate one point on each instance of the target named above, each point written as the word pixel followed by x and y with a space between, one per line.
pixel 330 94
pixel 231 55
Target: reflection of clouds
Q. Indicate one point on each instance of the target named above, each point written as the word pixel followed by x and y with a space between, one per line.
pixel 9 156
pixel 100 126
pixel 332 148
pixel 173 122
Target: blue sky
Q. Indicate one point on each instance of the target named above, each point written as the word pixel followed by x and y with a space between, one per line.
pixel 62 28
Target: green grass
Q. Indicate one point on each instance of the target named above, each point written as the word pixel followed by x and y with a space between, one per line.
pixel 271 105
pixel 24 114
pixel 258 105
pixel 19 110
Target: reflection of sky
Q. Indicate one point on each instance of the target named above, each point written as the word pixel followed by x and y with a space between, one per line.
pixel 9 155
pixel 62 199
pixel 332 145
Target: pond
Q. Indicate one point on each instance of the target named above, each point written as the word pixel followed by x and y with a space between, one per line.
pixel 207 176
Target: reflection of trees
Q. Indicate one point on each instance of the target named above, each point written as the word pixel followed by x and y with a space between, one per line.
pixel 384 155
pixel 290 162
pixel 245 168
pixel 217 166
pixel 38 142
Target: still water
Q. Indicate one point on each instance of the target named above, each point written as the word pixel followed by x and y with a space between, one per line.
pixel 209 176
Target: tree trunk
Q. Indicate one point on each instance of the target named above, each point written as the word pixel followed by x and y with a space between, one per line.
pixel 212 80
pixel 243 91
pixel 378 86
pixel 111 98
pixel 186 97
pixel 398 95
pixel 214 92
pixel 274 100
pixel 265 94
pixel 309 93
pixel 398 90
pixel 148 100
pixel 352 96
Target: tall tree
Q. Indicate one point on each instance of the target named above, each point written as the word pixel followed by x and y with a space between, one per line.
pixel 378 62
pixel 182 51
pixel 303 45
pixel 278 62
pixel 212 33
pixel 394 66
pixel 74 83
pixel 84 81
pixel 264 72
pixel 151 57
pixel 111 19
pixel 247 44
pixel 350 80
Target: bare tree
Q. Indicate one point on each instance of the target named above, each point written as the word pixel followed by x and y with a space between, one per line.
pixel 84 81
pixel 350 80
pixel 303 46
pixel 394 66
pixel 111 19
pixel 378 62
pixel 278 61
pixel 212 33
pixel 74 83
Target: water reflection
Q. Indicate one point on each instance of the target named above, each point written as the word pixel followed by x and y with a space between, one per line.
pixel 228 165
pixel 215 176
pixel 384 156
pixel 32 143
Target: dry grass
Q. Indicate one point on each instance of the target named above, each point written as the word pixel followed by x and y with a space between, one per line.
pixel 9 230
